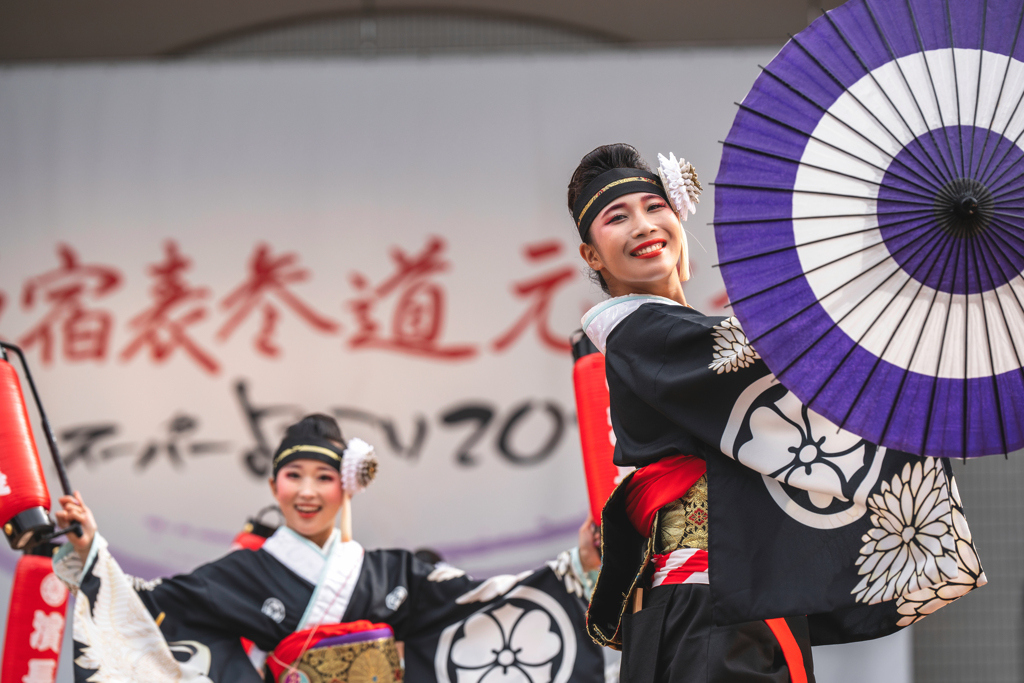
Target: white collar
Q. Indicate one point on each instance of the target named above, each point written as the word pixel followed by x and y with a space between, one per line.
pixel 300 554
pixel 335 585
pixel 600 320
pixel 333 570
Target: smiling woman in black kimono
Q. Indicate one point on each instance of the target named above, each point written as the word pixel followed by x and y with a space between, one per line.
pixel 752 527
pixel 308 575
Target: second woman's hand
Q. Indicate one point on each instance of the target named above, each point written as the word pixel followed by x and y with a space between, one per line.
pixel 75 510
pixel 590 545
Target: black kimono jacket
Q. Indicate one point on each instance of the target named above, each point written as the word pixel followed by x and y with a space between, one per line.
pixel 804 518
pixel 187 628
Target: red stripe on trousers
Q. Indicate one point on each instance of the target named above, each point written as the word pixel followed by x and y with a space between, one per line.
pixel 790 650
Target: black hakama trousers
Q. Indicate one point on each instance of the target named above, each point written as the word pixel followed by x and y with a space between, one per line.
pixel 674 640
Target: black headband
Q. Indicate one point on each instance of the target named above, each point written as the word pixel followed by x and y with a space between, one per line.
pixel 308 448
pixel 609 186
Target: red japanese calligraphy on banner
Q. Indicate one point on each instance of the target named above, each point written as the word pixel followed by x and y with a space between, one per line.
pixel 406 312
pixel 540 291
pixel 162 328
pixel 268 276
pixel 35 623
pixel 83 332
pixel 419 307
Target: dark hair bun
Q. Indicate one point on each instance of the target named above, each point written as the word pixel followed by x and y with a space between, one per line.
pixel 318 426
pixel 604 158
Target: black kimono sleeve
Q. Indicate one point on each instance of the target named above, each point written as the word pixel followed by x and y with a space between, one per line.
pixel 673 376
pixel 245 594
pixel 451 622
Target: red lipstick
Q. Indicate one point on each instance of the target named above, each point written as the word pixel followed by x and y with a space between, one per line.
pixel 650 254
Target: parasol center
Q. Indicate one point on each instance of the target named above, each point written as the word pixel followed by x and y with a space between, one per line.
pixel 964 207
pixel 978 206
pixel 967 207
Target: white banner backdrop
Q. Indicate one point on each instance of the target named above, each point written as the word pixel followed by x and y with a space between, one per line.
pixel 195 255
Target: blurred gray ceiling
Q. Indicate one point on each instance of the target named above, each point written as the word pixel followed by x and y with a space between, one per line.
pixel 59 30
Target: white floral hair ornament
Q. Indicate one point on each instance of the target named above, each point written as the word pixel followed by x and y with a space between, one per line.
pixel 358 466
pixel 679 178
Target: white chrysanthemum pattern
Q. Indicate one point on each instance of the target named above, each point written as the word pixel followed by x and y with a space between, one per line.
pixel 733 350
pixel 911 545
pixel 919 604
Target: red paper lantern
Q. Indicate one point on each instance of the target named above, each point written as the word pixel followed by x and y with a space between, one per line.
pixel 35 621
pixel 594 414
pixel 24 498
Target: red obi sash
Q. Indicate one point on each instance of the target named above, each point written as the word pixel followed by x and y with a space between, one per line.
pixel 655 486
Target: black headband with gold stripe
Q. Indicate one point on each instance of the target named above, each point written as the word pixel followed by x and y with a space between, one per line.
pixel 606 188
pixel 308 448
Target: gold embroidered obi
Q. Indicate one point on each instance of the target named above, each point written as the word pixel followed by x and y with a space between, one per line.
pixel 684 523
pixel 357 652
pixel 373 661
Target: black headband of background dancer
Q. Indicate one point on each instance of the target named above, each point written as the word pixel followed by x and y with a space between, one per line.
pixel 309 448
pixel 606 188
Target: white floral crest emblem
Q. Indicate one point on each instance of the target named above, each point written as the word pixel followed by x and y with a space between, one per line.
pixel 919 604
pixel 911 544
pixel 732 348
pixel 526 638
pixel 508 643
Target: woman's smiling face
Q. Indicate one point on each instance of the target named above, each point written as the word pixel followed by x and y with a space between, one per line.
pixel 310 495
pixel 637 245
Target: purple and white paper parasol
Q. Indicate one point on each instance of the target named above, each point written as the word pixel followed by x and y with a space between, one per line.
pixel 869 216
